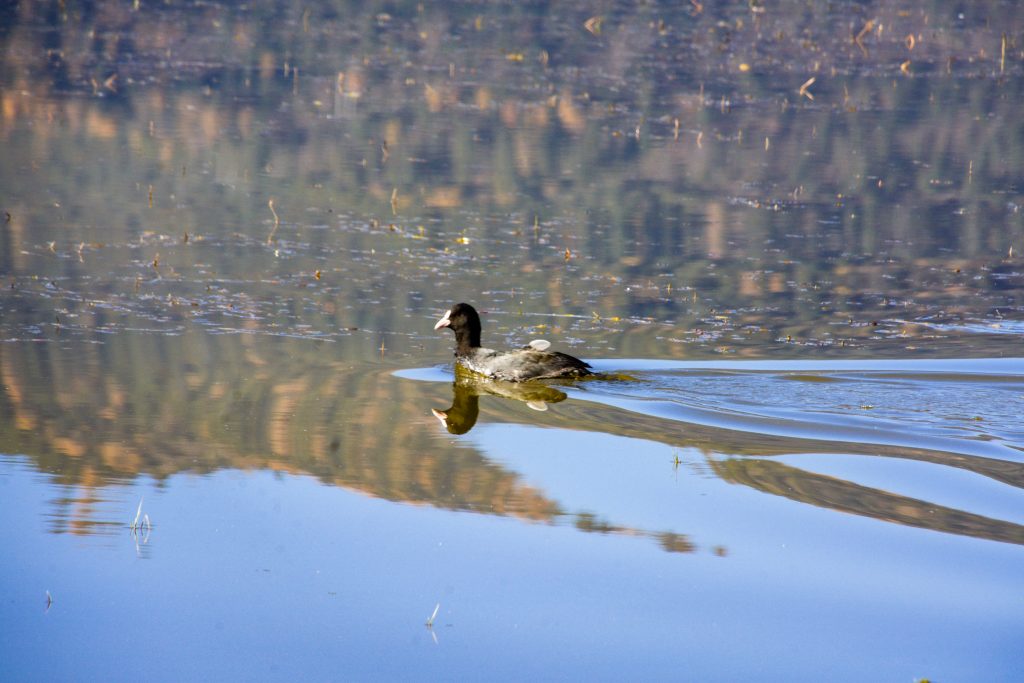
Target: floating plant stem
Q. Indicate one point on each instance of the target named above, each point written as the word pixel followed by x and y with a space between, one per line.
pixel 277 222
pixel 430 621
pixel 138 513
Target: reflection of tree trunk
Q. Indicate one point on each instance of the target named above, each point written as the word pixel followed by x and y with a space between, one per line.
pixel 836 494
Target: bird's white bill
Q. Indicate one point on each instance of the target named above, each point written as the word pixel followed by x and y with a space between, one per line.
pixel 445 320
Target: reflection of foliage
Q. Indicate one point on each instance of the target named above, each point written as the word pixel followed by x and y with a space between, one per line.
pixel 158 423
pixel 225 402
pixel 670 541
pixel 678 543
pixel 874 221
pixel 871 219
pixel 347 427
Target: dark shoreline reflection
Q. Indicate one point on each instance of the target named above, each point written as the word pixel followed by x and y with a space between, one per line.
pixel 283 407
pixel 844 496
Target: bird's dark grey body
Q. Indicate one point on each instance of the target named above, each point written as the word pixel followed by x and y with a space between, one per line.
pixel 518 365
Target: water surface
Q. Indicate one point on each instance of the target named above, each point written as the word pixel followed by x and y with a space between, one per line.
pixel 228 230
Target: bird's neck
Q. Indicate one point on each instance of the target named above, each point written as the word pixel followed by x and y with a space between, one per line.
pixel 467 341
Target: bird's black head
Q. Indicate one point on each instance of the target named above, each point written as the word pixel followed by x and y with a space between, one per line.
pixel 465 323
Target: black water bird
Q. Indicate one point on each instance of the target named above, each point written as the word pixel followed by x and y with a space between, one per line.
pixel 519 365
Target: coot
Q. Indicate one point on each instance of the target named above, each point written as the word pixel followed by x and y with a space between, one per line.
pixel 520 365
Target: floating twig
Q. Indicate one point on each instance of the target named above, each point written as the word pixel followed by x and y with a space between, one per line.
pixel 430 621
pixel 870 24
pixel 804 88
pixel 277 222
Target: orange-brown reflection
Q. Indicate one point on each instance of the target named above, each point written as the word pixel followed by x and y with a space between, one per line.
pixel 366 430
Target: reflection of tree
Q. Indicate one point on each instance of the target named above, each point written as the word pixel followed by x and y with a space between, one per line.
pixel 329 423
pixel 857 202
pixel 672 542
pixel 779 479
pixel 93 426
pixel 838 233
pixel 843 496
pixel 713 440
pixel 92 422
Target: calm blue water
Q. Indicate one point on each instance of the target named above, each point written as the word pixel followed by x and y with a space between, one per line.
pixel 788 235
pixel 653 559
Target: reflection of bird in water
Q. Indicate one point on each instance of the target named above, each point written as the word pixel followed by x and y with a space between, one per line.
pixel 468 388
pixel 519 365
